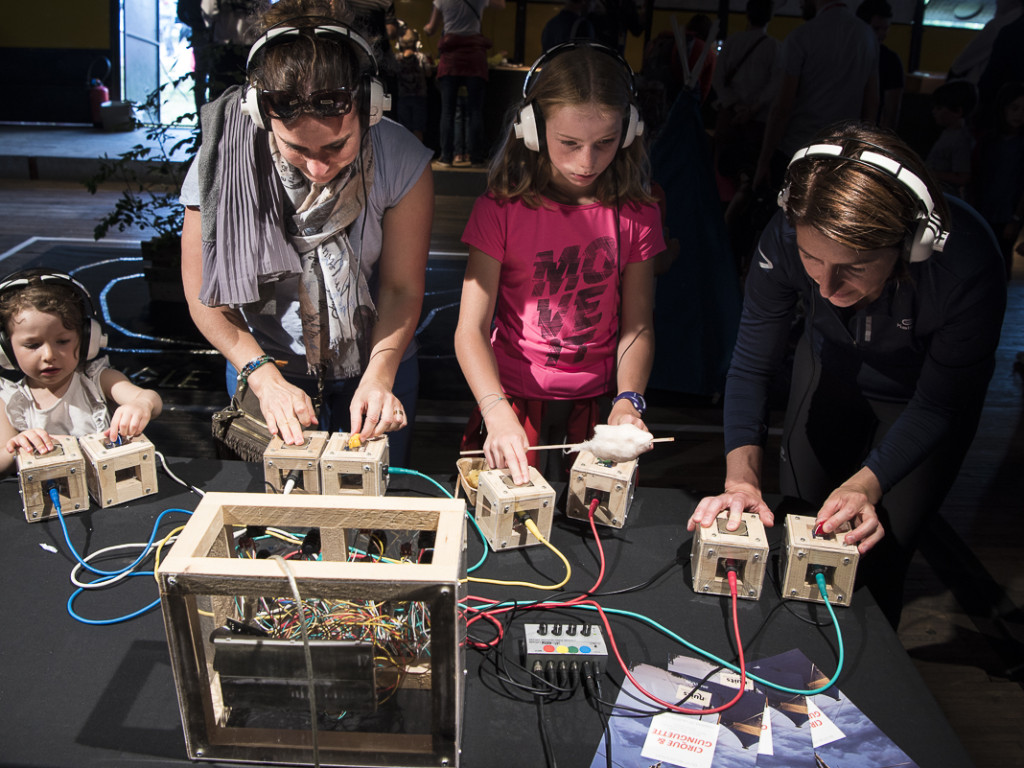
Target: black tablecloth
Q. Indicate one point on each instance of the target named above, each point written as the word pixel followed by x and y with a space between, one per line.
pixel 73 694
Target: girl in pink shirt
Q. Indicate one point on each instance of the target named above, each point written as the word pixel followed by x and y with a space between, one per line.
pixel 556 312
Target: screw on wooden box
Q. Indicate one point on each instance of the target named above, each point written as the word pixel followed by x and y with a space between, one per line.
pixel 118 473
pixel 716 548
pixel 499 500
pixel 806 554
pixel 387 636
pixel 358 471
pixel 613 484
pixel 299 463
pixel 62 468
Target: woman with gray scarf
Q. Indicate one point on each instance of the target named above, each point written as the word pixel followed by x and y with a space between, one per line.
pixel 306 233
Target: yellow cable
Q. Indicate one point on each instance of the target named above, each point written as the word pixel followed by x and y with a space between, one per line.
pixel 531 526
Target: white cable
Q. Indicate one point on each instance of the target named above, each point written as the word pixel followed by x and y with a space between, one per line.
pixel 174 477
pixel 114 579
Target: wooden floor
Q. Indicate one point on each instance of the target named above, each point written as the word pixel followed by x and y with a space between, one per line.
pixel 962 625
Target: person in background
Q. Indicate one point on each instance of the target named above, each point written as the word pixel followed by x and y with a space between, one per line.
pixel 49 334
pixel 950 156
pixel 997 171
pixel 570 23
pixel 414 72
pixel 307 225
pixel 877 14
pixel 462 61
pixel 902 293
pixel 556 312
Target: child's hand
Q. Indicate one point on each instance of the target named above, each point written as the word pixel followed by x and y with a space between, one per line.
pixel 129 420
pixel 506 443
pixel 31 440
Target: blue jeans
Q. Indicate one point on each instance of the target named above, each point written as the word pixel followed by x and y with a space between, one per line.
pixel 475 142
pixel 333 415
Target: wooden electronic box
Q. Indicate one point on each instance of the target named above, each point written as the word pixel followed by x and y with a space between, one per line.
pixel 371 648
pixel 302 462
pixel 715 548
pixel 63 467
pixel 119 473
pixel 612 483
pixel 355 471
pixel 806 554
pixel 499 500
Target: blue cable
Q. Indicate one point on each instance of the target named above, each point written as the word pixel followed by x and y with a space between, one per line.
pixel 480 533
pixel 119 619
pixel 55 497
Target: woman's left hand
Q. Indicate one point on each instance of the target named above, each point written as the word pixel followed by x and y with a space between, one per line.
pixel 375 410
pixel 850 503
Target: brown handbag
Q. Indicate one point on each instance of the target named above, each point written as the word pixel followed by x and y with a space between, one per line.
pixel 240 426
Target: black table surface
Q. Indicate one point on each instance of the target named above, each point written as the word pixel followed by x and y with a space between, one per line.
pixel 76 694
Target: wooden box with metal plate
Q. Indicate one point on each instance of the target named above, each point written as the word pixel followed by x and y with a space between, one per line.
pixel 350 467
pixel 323 657
pixel 611 483
pixel 806 554
pixel 716 550
pixel 295 468
pixel 62 468
pixel 119 472
pixel 502 507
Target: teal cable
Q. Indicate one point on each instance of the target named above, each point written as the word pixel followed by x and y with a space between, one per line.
pixel 480 533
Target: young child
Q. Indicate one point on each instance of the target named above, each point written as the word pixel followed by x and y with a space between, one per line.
pixel 49 334
pixel 414 70
pixel 561 254
pixel 997 189
pixel 950 157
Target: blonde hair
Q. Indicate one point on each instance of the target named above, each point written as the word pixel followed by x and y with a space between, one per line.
pixel 579 76
pixel 855 204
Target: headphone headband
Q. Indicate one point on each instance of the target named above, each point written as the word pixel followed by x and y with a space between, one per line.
pixel 287 30
pixel 930 236
pixel 572 45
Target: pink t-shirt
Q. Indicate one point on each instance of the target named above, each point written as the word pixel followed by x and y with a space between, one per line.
pixel 557 311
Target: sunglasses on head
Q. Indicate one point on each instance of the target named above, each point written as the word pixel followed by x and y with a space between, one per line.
pixel 284 105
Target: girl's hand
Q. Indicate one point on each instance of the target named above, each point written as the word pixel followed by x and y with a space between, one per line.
pixel 736 500
pixel 375 410
pixel 31 440
pixel 129 420
pixel 506 443
pixel 850 503
pixel 623 412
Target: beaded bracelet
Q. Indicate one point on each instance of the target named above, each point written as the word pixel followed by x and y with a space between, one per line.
pixel 252 365
pixel 490 406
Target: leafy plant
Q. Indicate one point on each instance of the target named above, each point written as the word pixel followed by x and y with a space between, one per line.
pixel 150 174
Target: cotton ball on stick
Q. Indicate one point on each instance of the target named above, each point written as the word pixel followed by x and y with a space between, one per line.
pixel 618 442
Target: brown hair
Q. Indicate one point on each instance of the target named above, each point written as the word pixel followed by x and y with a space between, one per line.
pixel 53 299
pixel 582 75
pixel 855 204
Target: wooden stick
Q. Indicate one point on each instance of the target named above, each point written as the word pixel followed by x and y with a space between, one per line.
pixel 565 445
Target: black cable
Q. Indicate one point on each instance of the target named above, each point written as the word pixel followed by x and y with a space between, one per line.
pixel 549 755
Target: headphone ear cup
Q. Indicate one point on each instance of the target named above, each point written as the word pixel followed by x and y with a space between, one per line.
pixel 7 360
pixel 380 102
pixel 634 127
pixel 923 242
pixel 528 128
pixel 97 339
pixel 250 105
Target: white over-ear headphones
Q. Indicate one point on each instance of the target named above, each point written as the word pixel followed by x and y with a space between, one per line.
pixel 929 235
pixel 378 102
pixel 529 124
pixel 93 337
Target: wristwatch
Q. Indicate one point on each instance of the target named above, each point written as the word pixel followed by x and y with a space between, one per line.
pixel 635 399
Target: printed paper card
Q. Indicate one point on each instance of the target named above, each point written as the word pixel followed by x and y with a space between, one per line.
pixel 786 736
pixel 681 740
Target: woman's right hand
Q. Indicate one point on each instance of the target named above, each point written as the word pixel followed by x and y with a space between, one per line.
pixel 506 443
pixel 739 498
pixel 286 408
